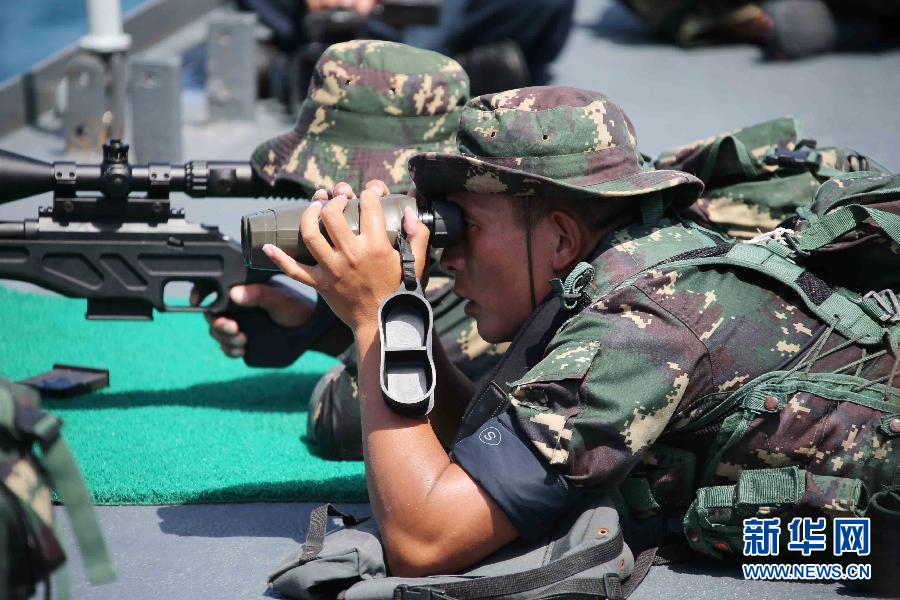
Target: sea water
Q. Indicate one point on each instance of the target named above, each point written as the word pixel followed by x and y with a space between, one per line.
pixel 32 30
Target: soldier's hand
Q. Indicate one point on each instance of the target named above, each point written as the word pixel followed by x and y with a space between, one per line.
pixel 284 307
pixel 354 273
pixel 363 7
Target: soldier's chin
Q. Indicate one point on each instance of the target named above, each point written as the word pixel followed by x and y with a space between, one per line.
pixel 490 330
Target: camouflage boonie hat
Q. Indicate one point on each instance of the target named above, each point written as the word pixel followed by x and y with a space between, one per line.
pixel 371 106
pixel 552 141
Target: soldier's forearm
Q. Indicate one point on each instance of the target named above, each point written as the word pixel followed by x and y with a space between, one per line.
pixel 403 456
pixel 413 486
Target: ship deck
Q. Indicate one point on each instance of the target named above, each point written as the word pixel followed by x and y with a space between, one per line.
pixel 672 95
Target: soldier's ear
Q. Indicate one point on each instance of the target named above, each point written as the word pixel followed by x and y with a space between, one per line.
pixel 567 241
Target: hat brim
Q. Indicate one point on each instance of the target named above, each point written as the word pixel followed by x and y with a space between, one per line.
pixel 441 174
pixel 278 160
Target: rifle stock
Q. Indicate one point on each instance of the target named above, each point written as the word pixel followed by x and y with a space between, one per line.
pixel 122 269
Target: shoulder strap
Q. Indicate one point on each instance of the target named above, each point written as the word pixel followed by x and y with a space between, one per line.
pixel 773 260
pixel 827 229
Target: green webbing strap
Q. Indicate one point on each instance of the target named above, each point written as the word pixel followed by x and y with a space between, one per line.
pixel 717 496
pixel 847 218
pixel 767 259
pixel 761 487
pixel 852 321
pixel 652 209
pixel 66 478
pixel 875 309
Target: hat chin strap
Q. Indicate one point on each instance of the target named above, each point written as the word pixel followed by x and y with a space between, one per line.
pixel 528 250
pixel 652 208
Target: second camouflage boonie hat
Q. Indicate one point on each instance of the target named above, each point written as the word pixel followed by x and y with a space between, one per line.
pixel 551 141
pixel 371 106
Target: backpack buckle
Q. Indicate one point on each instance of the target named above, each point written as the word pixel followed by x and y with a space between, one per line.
pixel 803 156
pixel 889 304
pixel 612 585
pixel 784 236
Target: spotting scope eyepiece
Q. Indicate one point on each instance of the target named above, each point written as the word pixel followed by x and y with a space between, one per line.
pixel 281 227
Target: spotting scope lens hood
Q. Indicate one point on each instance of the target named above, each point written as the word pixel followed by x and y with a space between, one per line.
pixel 281 227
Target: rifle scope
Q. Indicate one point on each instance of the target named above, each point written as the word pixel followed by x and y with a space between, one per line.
pixel 115 178
pixel 281 227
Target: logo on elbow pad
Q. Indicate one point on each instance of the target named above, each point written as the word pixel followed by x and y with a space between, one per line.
pixel 490 436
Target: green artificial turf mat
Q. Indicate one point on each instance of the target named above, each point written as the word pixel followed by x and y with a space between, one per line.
pixel 180 422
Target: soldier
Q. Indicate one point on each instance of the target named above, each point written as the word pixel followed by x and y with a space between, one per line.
pixel 785 29
pixel 371 106
pixel 621 367
pixel 498 42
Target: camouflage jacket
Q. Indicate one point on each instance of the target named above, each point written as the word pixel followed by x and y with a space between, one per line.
pixel 623 382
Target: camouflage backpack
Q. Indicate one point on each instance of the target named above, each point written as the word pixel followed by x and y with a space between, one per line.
pixel 758 176
pixel 843 260
pixel 29 550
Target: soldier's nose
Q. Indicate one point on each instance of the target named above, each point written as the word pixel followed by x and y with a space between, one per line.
pixel 451 259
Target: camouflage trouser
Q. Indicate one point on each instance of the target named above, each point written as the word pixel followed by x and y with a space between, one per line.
pixel 333 428
pixel 691 22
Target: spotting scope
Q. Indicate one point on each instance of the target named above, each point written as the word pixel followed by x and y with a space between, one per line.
pixel 281 227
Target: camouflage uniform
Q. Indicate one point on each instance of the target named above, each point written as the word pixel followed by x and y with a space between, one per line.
pixel 633 389
pixel 372 105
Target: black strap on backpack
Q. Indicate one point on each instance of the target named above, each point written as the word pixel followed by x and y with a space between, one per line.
pixel 504 585
pixel 560 572
pixel 318 524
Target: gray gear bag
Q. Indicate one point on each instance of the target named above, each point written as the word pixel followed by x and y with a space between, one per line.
pixel 584 557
